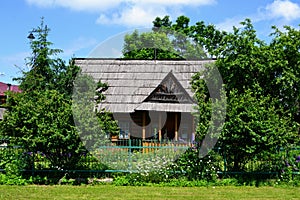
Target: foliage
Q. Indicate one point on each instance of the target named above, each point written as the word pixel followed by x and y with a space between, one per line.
pixel 195 167
pixel 16 156
pixel 245 61
pixel 94 126
pixel 259 80
pixel 154 170
pixel 43 121
pixel 254 128
pixel 166 41
pixel 211 107
pixel 284 65
pixel 148 45
pixel 12 180
pixel 47 71
pixel 40 119
pixel 188 167
pixel 13 161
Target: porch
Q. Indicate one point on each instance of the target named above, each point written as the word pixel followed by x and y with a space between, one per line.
pixel 155 126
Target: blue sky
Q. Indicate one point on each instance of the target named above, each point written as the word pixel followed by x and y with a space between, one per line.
pixel 79 26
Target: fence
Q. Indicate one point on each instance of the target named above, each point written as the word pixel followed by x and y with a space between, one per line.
pixel 130 155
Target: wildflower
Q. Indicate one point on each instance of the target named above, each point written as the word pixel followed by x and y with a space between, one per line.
pixel 298 159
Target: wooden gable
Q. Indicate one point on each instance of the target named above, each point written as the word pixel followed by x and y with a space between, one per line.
pixel 169 91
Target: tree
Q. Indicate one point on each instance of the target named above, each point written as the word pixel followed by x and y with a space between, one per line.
pixel 245 61
pixel 166 41
pixel 283 68
pixel 47 70
pixel 94 126
pixel 260 87
pixel 40 119
pixel 265 75
pixel 149 45
pixel 254 129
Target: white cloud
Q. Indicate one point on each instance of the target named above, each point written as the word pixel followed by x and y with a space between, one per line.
pixel 102 5
pixel 283 9
pixel 279 13
pixel 124 12
pixel 79 5
pixel 142 12
pixel 134 16
pixel 175 2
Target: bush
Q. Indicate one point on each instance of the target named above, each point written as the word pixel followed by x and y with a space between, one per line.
pixel 13 161
pixel 197 168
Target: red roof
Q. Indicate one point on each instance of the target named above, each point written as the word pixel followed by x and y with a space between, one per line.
pixel 4 87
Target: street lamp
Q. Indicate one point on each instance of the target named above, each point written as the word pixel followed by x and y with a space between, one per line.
pixel 31 36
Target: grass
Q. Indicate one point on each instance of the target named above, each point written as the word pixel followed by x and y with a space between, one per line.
pixel 130 192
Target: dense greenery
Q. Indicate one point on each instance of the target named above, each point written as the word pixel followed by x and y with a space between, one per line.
pixel 43 122
pixel 166 41
pixel 40 119
pixel 262 110
pixel 94 126
pixel 259 84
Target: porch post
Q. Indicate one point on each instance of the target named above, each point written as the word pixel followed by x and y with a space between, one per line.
pixel 144 126
pixel 159 126
pixel 176 128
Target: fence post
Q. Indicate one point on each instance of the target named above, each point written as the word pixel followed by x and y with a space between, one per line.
pixel 225 162
pixel 129 155
pixel 33 164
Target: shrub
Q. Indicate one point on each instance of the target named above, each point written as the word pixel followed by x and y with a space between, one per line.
pixel 197 168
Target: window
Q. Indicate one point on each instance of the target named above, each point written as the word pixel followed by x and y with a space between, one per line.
pixel 124 130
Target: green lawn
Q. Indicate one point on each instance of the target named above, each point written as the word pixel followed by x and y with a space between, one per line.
pixel 129 192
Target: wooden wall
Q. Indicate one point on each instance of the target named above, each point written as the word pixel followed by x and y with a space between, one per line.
pixel 167 125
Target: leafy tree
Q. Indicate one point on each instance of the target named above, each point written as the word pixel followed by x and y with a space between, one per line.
pixel 149 45
pixel 245 61
pixel 283 69
pixel 166 41
pixel 42 121
pixel 211 97
pixel 159 23
pixel 255 128
pixel 94 126
pixel 260 84
pixel 264 75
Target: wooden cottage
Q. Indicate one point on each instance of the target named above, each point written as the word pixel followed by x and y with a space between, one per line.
pixel 150 99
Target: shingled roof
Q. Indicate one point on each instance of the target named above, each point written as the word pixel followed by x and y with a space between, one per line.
pixel 132 81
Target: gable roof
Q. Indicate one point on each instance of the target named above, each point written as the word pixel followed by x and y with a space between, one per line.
pixel 130 82
pixel 4 87
pixel 169 91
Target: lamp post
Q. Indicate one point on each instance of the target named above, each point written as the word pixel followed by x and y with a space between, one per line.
pixel 31 36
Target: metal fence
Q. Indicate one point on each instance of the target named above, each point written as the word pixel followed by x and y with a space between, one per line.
pixel 129 155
